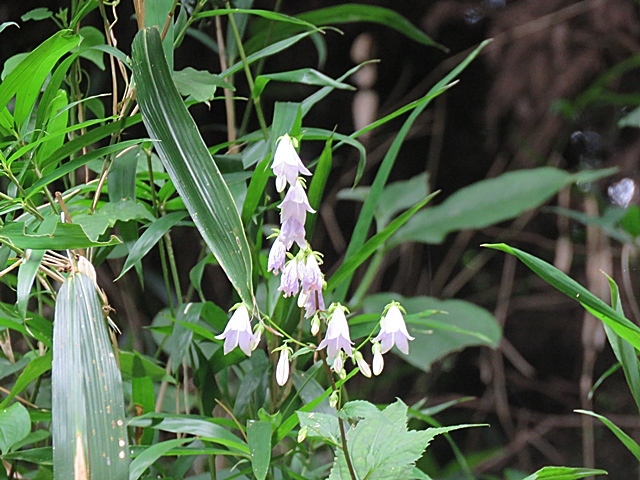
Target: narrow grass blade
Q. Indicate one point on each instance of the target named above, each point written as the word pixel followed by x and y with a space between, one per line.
pixel 89 434
pixel 626 440
pixel 618 323
pixel 188 162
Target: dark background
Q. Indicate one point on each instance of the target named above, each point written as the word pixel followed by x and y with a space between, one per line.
pixel 503 115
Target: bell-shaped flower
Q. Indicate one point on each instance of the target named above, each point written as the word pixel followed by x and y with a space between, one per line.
pixel 282 368
pixel 238 332
pixel 310 274
pixel 337 336
pixel 287 164
pixel 362 364
pixel 393 330
pixel 277 256
pixel 295 204
pixel 289 282
pixel 312 301
pixel 293 231
pixel 378 360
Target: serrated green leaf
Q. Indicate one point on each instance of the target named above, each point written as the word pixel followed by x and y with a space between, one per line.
pixel 107 215
pixel 618 323
pixel 199 84
pixel 149 455
pixel 88 405
pixel 63 237
pixel 189 164
pixel 149 238
pixel 37 14
pixel 320 425
pixel 15 424
pixel 259 440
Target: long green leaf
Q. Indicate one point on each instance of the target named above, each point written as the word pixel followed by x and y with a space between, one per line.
pixel 349 266
pixel 624 351
pixel 618 323
pixel 31 372
pixel 26 80
pixel 149 238
pixel 148 457
pixel 64 236
pixel 626 440
pixel 259 440
pixel 87 397
pixel 188 162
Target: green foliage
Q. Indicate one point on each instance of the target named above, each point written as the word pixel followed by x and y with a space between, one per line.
pixel 15 425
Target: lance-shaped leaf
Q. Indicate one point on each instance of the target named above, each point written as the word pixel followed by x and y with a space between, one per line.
pixel 89 434
pixel 188 162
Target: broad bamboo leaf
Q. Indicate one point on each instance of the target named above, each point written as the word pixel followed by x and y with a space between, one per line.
pixel 189 164
pixel 268 14
pixel 89 434
pixel 351 13
pixel 259 440
pixel 25 81
pixel 15 425
pixel 63 237
pixel 618 323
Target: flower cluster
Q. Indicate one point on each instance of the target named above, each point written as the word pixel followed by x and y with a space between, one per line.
pixel 301 273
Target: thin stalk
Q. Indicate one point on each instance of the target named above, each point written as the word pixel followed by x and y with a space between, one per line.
pixel 229 107
pixel 173 266
pixel 247 71
pixel 343 435
pixel 167 22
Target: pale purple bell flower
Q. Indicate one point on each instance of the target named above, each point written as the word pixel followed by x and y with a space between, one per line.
pixel 337 336
pixel 293 231
pixel 238 332
pixel 277 256
pixel 287 164
pixel 295 204
pixel 310 274
pixel 289 282
pixel 393 331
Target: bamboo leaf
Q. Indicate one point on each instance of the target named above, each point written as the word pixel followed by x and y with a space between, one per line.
pixel 64 236
pixel 147 458
pixel 88 427
pixel 617 322
pixel 259 440
pixel 189 164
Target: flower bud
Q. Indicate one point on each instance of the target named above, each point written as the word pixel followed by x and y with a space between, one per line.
pixel 282 369
pixel 302 434
pixel 362 364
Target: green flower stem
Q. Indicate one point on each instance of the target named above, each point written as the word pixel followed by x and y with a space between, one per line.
pixel 247 71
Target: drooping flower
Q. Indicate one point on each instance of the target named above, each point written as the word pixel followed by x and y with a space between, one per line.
pixel 337 336
pixel 362 364
pixel 293 231
pixel 277 256
pixel 238 332
pixel 289 282
pixel 312 301
pixel 287 164
pixel 282 368
pixel 338 364
pixel 393 330
pixel 295 204
pixel 310 274
pixel 378 360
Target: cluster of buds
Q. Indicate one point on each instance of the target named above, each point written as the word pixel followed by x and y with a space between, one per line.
pixel 301 273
